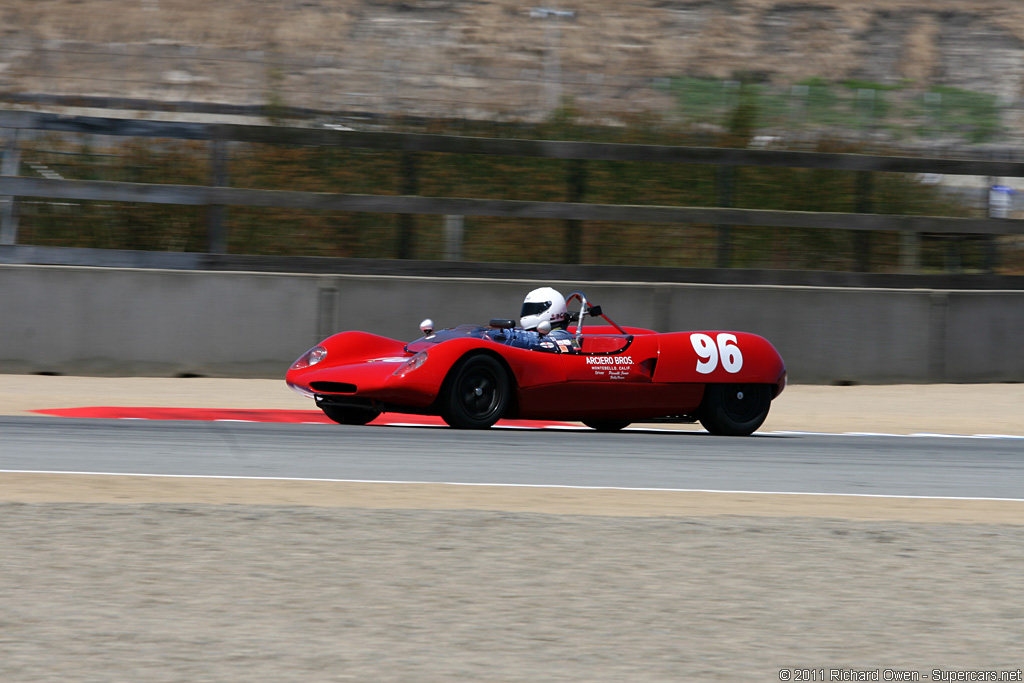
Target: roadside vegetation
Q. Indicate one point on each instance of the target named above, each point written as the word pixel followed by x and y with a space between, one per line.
pixel 852 107
pixel 285 232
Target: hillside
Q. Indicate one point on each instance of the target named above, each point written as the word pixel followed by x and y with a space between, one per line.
pixel 473 58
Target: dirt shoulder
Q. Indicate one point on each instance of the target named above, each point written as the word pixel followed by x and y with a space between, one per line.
pixel 277 594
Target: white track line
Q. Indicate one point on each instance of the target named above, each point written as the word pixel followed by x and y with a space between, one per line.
pixel 929 435
pixel 524 486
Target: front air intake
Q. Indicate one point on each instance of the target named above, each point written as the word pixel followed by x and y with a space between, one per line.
pixel 333 387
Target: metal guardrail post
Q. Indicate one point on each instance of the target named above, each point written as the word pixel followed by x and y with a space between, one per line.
pixel 862 238
pixel 454 229
pixel 216 233
pixel 576 182
pixel 1000 204
pixel 910 250
pixel 8 205
pixel 725 180
pixel 407 221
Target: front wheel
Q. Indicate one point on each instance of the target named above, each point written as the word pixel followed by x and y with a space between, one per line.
pixel 476 393
pixel 349 416
pixel 735 409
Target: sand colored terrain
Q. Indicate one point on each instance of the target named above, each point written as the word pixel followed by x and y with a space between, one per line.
pixel 276 594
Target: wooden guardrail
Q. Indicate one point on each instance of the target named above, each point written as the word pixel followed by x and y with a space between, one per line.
pixel 408 204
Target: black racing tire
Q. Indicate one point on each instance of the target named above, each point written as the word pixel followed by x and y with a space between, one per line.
pixel 607 425
pixel 734 409
pixel 345 415
pixel 476 393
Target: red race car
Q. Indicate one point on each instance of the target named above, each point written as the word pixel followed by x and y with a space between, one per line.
pixel 605 376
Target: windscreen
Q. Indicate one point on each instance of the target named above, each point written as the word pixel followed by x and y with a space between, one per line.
pixel 444 335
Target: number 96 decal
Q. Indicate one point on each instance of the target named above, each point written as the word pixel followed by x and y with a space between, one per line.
pixel 709 351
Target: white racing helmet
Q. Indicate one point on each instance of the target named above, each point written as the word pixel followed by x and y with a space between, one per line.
pixel 542 305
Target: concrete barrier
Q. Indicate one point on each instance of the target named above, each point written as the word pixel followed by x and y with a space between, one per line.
pixel 120 321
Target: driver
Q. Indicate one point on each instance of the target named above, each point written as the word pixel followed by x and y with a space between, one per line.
pixel 546 304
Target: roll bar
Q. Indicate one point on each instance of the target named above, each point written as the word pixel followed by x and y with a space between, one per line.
pixel 593 311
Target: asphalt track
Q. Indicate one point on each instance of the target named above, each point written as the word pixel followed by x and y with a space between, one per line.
pixel 872 465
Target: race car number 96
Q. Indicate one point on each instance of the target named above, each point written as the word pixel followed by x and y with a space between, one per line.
pixel 709 351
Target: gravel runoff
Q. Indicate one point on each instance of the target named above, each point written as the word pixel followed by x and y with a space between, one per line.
pixel 163 592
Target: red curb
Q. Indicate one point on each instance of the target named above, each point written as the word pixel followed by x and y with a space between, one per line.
pixel 281 416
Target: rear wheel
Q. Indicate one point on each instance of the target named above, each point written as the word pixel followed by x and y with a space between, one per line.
pixel 607 425
pixel 476 393
pixel 349 416
pixel 735 409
